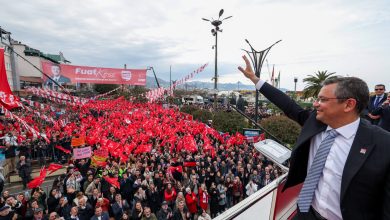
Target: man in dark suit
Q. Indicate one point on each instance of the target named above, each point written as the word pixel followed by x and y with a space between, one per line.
pixel 24 170
pixel 241 104
pixel 57 77
pixel 374 102
pixel 353 181
pixel 384 112
pixel 100 215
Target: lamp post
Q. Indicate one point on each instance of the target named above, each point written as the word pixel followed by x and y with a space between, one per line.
pixel 295 86
pixel 154 73
pixel 214 32
pixel 257 58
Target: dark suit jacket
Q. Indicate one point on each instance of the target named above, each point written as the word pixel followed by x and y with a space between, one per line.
pixel 62 80
pixel 371 107
pixel 104 217
pixel 365 184
pixel 384 121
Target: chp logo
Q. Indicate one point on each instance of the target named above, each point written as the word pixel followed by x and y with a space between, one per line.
pixel 126 75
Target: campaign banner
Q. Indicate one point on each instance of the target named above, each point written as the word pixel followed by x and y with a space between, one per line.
pixel 66 74
pixel 80 153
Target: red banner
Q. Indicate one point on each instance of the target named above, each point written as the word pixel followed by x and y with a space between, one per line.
pixel 66 74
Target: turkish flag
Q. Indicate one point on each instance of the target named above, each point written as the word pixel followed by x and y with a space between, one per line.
pixel 113 181
pixel 54 167
pixel 173 169
pixel 190 164
pixel 62 149
pixel 7 99
pixel 39 180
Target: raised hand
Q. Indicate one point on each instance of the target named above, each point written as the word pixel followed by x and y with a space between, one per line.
pixel 248 71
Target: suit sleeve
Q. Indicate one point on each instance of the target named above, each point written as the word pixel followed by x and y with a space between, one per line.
pixel 377 111
pixel 285 103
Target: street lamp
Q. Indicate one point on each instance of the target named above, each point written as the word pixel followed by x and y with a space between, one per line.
pixel 214 32
pixel 295 86
pixel 154 73
pixel 257 58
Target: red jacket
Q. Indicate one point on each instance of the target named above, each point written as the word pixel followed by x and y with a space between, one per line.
pixel 191 201
pixel 170 196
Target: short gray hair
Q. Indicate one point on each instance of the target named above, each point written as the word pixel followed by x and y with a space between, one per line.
pixel 351 87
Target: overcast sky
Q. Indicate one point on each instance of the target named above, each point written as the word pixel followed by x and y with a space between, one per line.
pixel 349 37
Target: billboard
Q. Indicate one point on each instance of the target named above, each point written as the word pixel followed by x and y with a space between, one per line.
pixel 249 132
pixel 67 74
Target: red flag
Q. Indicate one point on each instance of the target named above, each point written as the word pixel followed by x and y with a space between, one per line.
pixel 113 181
pixel 173 169
pixel 54 167
pixel 35 183
pixel 189 164
pixel 43 173
pixel 63 149
pixel 39 180
pixel 259 138
pixel 4 86
pixel 7 99
pixel 143 149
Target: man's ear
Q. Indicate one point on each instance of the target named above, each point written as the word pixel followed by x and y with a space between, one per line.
pixel 350 105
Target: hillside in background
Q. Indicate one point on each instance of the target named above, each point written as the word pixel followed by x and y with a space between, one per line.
pixel 151 83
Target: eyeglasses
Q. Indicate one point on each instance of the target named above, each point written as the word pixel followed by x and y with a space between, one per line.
pixel 325 99
pixel 379 89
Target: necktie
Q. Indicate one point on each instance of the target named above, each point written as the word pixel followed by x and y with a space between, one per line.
pixel 376 101
pixel 309 186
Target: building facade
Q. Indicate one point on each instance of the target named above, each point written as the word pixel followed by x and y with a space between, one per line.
pixel 23 63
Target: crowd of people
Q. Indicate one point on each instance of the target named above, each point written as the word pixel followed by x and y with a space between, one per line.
pixel 160 164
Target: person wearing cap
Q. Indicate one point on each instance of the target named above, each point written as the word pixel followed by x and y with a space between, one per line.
pixel 6 213
pixel 165 213
pixel 33 204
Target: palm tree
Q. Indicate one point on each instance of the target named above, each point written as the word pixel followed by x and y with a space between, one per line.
pixel 314 83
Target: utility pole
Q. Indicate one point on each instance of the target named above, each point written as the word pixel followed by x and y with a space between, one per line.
pixel 214 32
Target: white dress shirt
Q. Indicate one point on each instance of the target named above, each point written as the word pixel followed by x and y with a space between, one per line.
pixel 327 195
